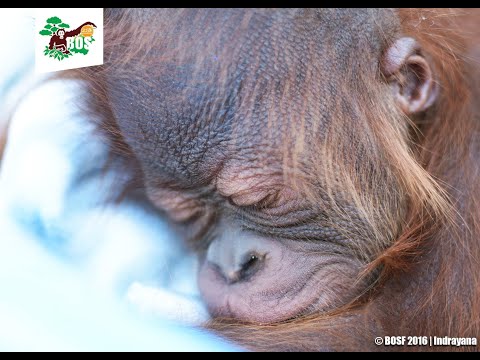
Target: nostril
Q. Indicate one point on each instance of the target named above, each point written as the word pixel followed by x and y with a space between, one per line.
pixel 250 261
pixel 241 270
pixel 237 256
pixel 251 264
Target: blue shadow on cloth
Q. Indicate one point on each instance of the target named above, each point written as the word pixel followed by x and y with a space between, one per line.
pixel 67 259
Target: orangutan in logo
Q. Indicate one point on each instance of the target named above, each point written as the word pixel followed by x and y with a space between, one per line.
pixel 59 48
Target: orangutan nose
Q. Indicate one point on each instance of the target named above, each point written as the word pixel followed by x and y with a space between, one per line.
pixel 237 257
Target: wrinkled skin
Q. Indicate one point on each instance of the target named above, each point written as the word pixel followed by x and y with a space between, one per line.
pixel 222 118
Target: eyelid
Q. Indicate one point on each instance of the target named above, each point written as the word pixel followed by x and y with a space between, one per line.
pixel 179 208
pixel 184 214
pixel 260 198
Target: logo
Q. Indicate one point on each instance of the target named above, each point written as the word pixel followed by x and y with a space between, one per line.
pixel 64 43
pixel 68 38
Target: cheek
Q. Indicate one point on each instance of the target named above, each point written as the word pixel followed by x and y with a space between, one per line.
pixel 289 284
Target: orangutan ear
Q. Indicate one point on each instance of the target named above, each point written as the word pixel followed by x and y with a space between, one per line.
pixel 410 76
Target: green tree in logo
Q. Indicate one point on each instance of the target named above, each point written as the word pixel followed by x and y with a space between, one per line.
pixel 57 48
pixel 53 24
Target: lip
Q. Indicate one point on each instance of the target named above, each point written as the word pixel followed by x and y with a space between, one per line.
pixel 282 300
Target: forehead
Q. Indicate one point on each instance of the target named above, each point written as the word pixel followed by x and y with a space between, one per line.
pixel 216 86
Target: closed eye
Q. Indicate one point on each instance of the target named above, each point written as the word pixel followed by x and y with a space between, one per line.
pixel 271 204
pixel 185 214
pixel 177 206
pixel 256 199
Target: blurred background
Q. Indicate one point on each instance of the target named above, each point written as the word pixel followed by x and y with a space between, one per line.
pixel 77 273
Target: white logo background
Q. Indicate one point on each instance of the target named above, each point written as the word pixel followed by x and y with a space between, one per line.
pixel 75 18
